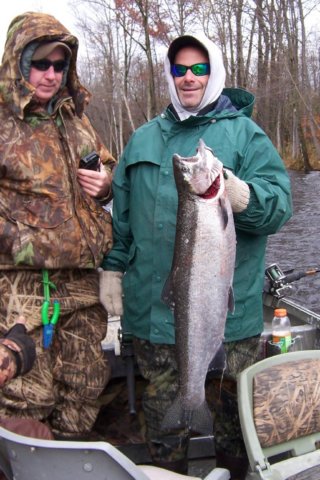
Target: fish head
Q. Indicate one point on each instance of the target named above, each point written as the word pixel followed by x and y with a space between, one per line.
pixel 199 173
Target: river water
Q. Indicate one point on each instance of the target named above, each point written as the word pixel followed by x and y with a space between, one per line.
pixel 296 246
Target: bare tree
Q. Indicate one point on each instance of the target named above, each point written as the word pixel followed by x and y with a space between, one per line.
pixel 265 48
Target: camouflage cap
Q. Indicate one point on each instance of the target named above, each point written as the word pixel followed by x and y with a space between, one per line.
pixel 46 48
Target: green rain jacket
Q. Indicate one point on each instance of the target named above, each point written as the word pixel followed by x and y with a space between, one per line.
pixel 145 207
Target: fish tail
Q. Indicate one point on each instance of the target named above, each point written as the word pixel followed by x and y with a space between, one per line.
pixel 176 416
pixel 201 420
pixel 198 420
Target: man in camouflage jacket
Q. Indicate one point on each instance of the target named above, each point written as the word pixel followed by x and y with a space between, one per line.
pixel 51 220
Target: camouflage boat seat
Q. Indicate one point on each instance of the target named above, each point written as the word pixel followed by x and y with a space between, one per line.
pixel 279 408
pixel 27 458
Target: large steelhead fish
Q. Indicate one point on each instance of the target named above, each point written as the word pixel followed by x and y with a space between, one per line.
pixel 199 288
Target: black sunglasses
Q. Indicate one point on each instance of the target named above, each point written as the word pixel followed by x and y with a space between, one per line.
pixel 44 65
pixel 198 69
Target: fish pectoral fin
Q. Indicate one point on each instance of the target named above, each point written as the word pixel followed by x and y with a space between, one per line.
pixel 224 213
pixel 167 295
pixel 231 302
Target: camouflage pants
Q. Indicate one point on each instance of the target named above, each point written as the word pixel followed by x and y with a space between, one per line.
pixel 157 364
pixel 67 378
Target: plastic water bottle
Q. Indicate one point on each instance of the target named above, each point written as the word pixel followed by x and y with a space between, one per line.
pixel 281 329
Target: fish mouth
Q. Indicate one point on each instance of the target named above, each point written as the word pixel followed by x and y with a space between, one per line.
pixel 213 190
pixel 200 174
pixel 203 181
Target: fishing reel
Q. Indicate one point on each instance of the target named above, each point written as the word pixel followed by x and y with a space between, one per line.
pixel 277 282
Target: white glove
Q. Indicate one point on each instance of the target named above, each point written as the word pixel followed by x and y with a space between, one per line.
pixel 238 192
pixel 110 285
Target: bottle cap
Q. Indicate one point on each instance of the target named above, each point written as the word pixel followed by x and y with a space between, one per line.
pixel 280 312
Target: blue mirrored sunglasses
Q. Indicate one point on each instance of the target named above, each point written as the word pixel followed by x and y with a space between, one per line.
pixel 198 69
pixel 44 65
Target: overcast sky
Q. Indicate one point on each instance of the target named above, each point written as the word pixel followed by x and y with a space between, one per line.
pixel 57 8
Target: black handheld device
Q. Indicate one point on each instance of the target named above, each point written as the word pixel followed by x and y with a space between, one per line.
pixel 90 161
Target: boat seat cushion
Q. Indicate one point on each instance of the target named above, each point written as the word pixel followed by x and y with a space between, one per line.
pixel 286 401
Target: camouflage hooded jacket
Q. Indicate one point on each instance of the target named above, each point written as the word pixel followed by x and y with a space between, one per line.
pixel 46 219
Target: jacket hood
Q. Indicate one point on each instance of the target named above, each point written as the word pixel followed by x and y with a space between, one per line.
pixel 241 99
pixel 217 76
pixel 33 28
pixel 233 102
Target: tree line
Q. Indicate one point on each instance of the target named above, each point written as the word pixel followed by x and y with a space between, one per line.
pixel 266 46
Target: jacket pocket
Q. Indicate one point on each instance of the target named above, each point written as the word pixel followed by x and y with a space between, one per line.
pixel 38 225
pixel 42 211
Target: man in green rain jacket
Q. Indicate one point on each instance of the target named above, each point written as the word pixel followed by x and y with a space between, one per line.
pixel 145 207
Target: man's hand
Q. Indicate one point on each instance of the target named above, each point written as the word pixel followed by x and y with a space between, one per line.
pixel 111 291
pixel 95 184
pixel 238 192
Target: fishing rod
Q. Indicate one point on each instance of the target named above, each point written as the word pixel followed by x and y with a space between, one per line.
pixel 292 277
pixel 278 282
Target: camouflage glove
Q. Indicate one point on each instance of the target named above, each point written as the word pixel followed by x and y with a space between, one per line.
pixel 238 192
pixel 22 347
pixel 111 291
